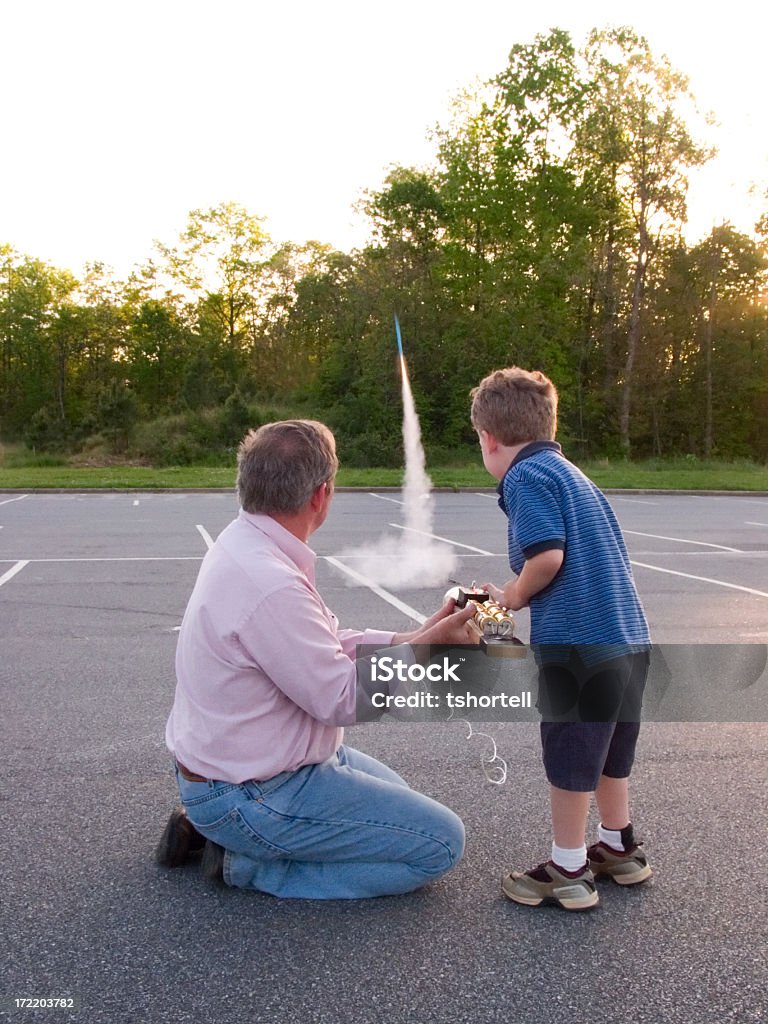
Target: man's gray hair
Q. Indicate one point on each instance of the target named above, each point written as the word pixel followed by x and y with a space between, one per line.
pixel 280 465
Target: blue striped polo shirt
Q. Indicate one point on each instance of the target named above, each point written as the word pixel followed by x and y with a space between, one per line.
pixel 593 600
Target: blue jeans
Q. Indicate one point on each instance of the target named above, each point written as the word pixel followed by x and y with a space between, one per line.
pixel 348 828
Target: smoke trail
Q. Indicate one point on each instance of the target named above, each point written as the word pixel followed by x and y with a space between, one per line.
pixel 412 557
pixel 418 506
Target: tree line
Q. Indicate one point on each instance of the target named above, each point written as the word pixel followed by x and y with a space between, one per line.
pixel 548 233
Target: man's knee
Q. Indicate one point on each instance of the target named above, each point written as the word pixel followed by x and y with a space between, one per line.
pixel 447 844
pixel 457 839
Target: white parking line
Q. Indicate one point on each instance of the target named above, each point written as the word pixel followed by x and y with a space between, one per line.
pixel 748 523
pixel 633 501
pixel 379 591
pixel 12 572
pixel 446 540
pixel 681 540
pixel 702 579
pixel 9 500
pixel 205 535
pixel 117 558
pixel 383 497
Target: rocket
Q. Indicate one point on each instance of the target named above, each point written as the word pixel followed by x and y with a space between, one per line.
pixel 399 337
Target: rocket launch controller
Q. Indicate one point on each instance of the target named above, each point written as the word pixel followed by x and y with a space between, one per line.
pixel 493 625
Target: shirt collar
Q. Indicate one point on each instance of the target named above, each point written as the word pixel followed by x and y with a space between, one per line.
pixel 302 556
pixel 525 453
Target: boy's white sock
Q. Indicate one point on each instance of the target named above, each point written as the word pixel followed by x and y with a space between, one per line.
pixel 569 860
pixel 611 837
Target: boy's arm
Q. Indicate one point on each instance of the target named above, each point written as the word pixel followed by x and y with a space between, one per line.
pixel 537 573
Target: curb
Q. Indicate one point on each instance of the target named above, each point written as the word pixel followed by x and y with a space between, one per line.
pixel 365 490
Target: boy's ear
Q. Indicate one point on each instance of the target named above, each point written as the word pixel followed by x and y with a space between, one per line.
pixel 491 443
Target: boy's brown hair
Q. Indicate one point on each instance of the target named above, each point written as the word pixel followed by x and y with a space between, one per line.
pixel 515 405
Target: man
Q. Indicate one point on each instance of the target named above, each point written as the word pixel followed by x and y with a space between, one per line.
pixel 265 680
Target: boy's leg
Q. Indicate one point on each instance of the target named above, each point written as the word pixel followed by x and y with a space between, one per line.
pixel 572 754
pixel 612 796
pixel 577 755
pixel 569 816
pixel 617 854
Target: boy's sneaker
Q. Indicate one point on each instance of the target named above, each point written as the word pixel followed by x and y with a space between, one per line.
pixel 547 883
pixel 629 867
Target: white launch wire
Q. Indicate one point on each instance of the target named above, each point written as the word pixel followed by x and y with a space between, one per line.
pixel 495 768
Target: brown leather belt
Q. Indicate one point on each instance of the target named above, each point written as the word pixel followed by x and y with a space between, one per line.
pixel 188 775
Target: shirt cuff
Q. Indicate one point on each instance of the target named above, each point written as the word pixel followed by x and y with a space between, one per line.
pixel 377 638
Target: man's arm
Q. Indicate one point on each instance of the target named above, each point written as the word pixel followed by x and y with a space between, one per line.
pixel 435 630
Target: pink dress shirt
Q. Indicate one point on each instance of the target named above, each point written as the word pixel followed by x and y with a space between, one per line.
pixel 265 678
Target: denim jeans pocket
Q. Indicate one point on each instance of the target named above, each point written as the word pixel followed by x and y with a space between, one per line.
pixel 252 830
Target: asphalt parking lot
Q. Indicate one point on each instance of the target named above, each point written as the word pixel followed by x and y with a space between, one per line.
pixel 92 588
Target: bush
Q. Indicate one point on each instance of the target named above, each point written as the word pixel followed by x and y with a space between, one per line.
pixel 369 450
pixel 46 431
pixel 168 441
pixel 202 436
pixel 236 417
pixel 116 414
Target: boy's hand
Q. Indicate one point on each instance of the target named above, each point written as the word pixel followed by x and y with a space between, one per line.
pixel 507 596
pixel 537 573
pixel 496 593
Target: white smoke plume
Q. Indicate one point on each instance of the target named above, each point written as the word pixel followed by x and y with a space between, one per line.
pixel 411 557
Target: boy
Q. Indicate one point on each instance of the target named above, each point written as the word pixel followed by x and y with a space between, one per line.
pixel 588 633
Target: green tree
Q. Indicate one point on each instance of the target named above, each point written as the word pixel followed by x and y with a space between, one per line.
pixel 31 292
pixel 635 127
pixel 158 346
pixel 219 259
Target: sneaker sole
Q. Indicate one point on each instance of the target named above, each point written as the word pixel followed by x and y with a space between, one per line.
pixel 630 878
pixel 585 902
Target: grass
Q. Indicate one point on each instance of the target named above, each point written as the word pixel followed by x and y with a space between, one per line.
pixel 22 470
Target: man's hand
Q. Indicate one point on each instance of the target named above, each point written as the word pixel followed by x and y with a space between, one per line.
pixel 446 626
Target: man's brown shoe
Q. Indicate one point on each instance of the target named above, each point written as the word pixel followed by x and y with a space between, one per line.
pixel 180 841
pixel 212 864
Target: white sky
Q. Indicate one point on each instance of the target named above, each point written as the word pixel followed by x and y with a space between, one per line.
pixel 118 118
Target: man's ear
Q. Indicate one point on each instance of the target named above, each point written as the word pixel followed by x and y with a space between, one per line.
pixel 317 498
